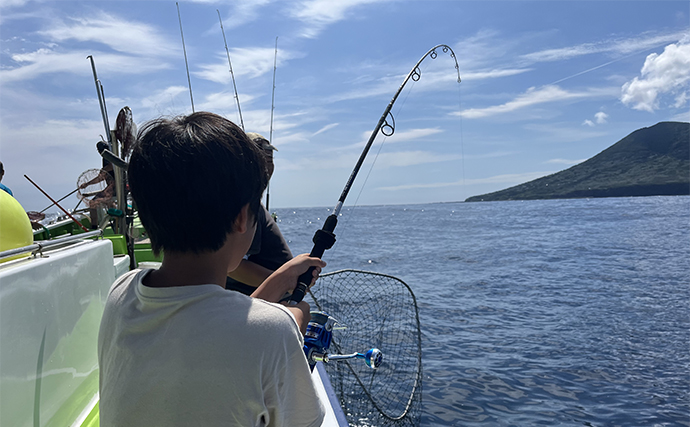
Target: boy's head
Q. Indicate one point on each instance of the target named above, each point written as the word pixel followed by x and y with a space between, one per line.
pixel 190 176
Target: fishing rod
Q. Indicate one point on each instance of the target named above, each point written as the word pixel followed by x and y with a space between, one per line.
pixel 57 204
pixel 324 238
pixel 101 100
pixel 237 97
pixel 59 200
pixel 184 49
pixel 273 98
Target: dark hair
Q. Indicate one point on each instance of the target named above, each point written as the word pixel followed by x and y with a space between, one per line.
pixel 190 176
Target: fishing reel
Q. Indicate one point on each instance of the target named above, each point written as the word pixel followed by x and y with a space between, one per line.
pixel 318 338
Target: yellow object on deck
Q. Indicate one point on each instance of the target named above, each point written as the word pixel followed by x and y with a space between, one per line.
pixel 15 227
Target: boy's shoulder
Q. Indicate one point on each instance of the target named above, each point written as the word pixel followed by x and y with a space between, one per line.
pixel 201 304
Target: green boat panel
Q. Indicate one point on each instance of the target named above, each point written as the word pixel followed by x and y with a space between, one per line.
pixel 50 310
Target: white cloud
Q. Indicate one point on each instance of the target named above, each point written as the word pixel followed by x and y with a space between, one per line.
pixel 123 36
pixel 221 101
pixel 408 135
pixel 665 73
pixel 430 80
pixel 247 62
pixel 562 132
pixel 619 46
pixel 413 134
pixel 46 61
pixel 67 133
pixel 533 96
pixel 492 74
pixel 12 3
pixel 242 11
pixel 166 97
pixel 681 117
pixel 325 128
pixel 410 158
pixel 509 179
pixel 601 117
pixel 318 14
pixel 345 160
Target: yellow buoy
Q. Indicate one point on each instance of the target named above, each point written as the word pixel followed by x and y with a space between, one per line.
pixel 15 227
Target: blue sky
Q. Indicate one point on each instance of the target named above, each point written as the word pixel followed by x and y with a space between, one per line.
pixel 545 85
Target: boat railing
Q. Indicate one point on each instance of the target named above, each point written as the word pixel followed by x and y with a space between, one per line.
pixel 39 246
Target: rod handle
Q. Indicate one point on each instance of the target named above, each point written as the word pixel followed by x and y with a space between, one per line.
pixel 302 285
pixel 323 239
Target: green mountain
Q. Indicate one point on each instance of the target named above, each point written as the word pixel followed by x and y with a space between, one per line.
pixel 651 161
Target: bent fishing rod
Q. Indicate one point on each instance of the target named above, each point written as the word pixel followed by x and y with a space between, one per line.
pixel 325 238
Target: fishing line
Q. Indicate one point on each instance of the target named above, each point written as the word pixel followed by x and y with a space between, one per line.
pixel 462 138
pixel 373 162
pixel 383 141
pixel 385 137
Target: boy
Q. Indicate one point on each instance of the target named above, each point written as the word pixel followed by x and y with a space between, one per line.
pixel 175 348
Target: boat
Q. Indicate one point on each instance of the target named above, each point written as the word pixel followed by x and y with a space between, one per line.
pixel 54 284
pixel 51 302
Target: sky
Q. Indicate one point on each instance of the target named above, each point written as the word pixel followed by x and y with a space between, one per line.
pixel 545 85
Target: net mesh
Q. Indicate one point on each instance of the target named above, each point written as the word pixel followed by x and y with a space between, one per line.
pixel 379 311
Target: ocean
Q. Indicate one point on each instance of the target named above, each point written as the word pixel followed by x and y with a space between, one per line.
pixel 547 312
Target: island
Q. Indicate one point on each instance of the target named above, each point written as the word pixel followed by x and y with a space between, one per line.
pixel 652 161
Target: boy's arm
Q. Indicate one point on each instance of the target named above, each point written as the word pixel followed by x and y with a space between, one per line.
pixel 284 279
pixel 301 314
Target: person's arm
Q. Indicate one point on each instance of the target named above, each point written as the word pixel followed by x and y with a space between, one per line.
pixel 301 314
pixel 284 279
pixel 250 273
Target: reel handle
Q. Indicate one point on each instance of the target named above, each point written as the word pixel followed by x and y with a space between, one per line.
pixel 373 358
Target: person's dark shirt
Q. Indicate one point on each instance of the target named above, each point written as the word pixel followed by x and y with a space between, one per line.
pixel 269 249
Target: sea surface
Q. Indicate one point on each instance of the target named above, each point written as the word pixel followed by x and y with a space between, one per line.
pixel 551 312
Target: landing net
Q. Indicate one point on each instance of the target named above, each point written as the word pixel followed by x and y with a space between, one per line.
pixel 96 188
pixel 379 311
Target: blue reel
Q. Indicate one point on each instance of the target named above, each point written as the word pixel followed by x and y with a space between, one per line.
pixel 318 338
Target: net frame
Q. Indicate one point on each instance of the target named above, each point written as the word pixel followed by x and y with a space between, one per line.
pixel 96 188
pixel 379 310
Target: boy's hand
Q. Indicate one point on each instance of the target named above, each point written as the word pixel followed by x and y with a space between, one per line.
pixel 284 280
pixel 299 265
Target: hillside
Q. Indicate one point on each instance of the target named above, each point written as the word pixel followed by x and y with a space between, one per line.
pixel 651 161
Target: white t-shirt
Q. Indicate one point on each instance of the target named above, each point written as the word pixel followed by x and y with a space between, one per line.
pixel 200 356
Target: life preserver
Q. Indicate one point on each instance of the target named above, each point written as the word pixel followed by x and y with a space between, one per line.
pixel 15 227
